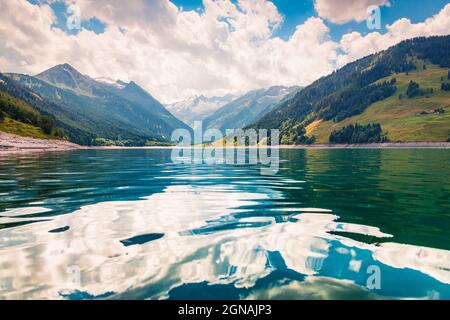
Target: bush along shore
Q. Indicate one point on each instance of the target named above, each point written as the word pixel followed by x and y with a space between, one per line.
pixel 12 144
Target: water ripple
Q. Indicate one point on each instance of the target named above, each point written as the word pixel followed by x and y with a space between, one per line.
pixel 138 227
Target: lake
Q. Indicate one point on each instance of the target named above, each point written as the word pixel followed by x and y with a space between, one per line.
pixel 131 224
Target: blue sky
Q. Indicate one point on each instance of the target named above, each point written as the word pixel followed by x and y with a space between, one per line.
pixel 415 10
pixel 60 9
pixel 296 12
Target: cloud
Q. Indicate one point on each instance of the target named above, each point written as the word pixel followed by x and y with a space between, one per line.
pixel 342 11
pixel 172 53
pixel 226 48
pixel 356 46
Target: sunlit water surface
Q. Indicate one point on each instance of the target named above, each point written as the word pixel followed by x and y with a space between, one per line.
pixel 130 224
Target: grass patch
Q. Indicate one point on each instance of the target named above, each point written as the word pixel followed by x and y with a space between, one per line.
pixel 399 117
pixel 9 125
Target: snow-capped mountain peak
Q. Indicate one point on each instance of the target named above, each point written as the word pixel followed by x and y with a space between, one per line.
pixel 118 84
pixel 198 107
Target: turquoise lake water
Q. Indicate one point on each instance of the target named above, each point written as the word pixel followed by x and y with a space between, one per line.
pixel 130 224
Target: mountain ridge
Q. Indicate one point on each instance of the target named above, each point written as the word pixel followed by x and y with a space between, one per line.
pixel 198 107
pixel 85 85
pixel 248 108
pixel 93 112
pixel 370 82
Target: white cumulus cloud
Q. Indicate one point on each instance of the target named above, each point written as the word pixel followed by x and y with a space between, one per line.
pixel 342 11
pixel 356 46
pixel 226 48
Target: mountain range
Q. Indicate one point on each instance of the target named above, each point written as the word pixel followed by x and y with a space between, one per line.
pixel 198 107
pixel 96 112
pixel 401 94
pixel 106 112
pixel 248 108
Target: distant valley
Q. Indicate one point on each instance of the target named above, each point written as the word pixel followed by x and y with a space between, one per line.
pixel 231 111
pixel 103 112
pixel 248 108
pixel 198 108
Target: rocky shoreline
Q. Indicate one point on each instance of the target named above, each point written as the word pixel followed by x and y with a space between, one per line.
pixel 12 144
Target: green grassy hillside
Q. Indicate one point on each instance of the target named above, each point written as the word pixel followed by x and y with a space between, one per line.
pixel 401 118
pixel 398 89
pixel 20 118
pixel 9 125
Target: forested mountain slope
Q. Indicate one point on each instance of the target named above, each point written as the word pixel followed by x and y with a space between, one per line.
pixel 17 116
pixel 381 88
pixel 92 112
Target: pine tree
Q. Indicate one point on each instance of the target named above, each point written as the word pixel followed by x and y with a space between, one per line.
pixel 47 124
pixel 413 89
pixel 371 133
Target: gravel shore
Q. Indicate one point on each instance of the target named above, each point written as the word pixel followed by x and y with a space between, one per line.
pixel 10 143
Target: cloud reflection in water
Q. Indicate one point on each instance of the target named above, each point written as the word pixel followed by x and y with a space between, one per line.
pixel 208 234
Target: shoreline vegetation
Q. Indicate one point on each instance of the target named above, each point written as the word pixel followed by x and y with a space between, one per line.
pixel 14 144
pixel 386 145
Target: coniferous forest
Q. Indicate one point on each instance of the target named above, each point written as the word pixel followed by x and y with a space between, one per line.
pixel 353 134
pixel 352 89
